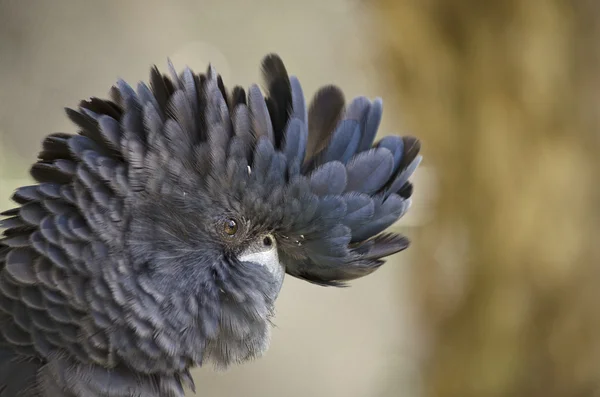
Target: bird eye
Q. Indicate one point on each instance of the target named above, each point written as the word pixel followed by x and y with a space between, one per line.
pixel 267 241
pixel 230 227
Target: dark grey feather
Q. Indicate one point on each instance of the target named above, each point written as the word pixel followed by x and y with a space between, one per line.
pixel 261 121
pixel 294 145
pixel 329 179
pixel 279 94
pixel 371 124
pixel 344 142
pixel 115 257
pixel 386 212
pixel 324 113
pixel 369 171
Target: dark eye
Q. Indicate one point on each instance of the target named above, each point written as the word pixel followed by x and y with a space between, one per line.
pixel 267 241
pixel 230 227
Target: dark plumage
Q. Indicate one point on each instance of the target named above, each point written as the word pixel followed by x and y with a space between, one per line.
pixel 156 239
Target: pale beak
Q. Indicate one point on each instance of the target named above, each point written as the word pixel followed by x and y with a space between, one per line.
pixel 263 252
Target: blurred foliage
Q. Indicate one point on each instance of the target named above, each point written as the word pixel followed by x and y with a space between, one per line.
pixel 505 97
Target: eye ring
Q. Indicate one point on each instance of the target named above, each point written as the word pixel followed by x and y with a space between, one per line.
pixel 230 227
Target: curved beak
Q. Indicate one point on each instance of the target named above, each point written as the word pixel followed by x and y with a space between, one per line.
pixel 263 252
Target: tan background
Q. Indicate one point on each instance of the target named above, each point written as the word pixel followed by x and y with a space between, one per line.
pixel 329 342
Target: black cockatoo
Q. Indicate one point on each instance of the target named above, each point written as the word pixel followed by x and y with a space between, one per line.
pixel 157 238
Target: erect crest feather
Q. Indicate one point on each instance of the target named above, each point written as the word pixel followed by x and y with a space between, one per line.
pixel 326 189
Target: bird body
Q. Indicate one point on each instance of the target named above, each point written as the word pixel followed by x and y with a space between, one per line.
pixel 156 239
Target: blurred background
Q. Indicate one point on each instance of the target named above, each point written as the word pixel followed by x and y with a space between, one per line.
pixel 498 294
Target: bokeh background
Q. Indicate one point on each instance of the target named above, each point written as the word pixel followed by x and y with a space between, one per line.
pixel 498 294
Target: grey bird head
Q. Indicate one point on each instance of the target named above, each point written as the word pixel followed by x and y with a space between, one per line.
pixel 157 238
